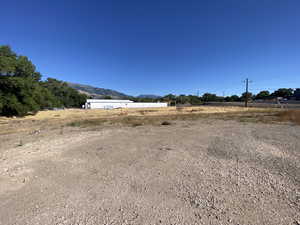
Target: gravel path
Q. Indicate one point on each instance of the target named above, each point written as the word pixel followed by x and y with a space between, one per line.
pixel 190 172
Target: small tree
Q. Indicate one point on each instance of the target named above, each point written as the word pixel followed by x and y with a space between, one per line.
pixel 248 96
pixel 263 95
pixel 208 97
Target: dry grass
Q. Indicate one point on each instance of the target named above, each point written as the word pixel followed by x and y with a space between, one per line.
pixel 264 116
pixel 97 113
pixel 132 117
pixel 291 116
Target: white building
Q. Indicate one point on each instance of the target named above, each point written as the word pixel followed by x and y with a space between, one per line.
pixel 113 104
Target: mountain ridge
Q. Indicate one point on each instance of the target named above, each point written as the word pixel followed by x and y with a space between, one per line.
pixel 96 92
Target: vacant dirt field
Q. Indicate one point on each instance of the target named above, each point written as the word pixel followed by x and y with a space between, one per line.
pixel 237 168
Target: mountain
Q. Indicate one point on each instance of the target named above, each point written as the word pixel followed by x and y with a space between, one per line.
pixel 149 96
pixel 96 92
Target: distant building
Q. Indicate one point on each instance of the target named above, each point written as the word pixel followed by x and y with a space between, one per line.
pixel 114 104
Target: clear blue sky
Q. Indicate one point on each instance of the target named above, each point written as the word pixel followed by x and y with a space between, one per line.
pixel 159 46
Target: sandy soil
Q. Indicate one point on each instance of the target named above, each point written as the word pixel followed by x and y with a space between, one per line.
pixel 191 172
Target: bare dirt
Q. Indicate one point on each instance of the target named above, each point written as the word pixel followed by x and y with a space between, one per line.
pixel 204 171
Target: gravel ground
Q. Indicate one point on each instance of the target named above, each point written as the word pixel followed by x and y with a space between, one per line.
pixel 190 172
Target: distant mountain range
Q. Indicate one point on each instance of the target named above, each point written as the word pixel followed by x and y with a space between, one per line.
pixel 95 92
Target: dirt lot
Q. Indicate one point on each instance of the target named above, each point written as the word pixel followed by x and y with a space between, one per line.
pixel 242 168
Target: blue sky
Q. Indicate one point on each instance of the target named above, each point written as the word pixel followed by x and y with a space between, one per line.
pixel 159 46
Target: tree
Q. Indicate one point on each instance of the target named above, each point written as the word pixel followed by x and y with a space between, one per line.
pixel 233 98
pixel 67 96
pixel 7 60
pixel 249 96
pixel 18 96
pixel 22 92
pixel 14 65
pixel 170 97
pixel 263 95
pixel 1 102
pixel 208 97
pixel 283 92
pixel 194 100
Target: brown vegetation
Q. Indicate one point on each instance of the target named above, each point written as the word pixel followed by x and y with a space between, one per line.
pixel 291 116
pixel 139 117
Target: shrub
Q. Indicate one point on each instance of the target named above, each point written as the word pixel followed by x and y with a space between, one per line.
pixel 165 123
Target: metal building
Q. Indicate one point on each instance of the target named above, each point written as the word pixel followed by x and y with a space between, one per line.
pixel 113 104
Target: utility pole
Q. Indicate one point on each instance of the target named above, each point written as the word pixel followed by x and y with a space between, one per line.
pixel 247 92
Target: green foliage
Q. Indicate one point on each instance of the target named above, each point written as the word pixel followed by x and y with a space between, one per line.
pixel 208 97
pixel 232 98
pixel 67 96
pixel 18 96
pixel 283 92
pixel 1 102
pixel 24 67
pixel 7 60
pixel 245 95
pixel 192 99
pixel 14 65
pixel 22 92
pixel 263 95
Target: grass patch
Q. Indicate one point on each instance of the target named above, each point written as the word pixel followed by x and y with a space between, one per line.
pixel 87 123
pixel 290 116
pixel 259 116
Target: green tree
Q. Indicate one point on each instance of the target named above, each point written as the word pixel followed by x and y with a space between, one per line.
pixel 208 97
pixel 170 98
pixel 14 65
pixel 249 95
pixel 18 96
pixel 8 61
pixel 263 95
pixel 67 96
pixel 232 98
pixel 24 67
pixel 22 92
pixel 1 102
pixel 283 92
pixel 194 100
pixel 182 99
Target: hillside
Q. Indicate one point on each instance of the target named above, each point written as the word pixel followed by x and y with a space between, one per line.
pixel 149 96
pixel 96 92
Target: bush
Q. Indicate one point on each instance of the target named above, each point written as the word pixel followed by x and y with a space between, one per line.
pixel 165 123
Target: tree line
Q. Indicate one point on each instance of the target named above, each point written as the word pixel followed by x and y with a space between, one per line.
pixel 285 93
pixel 23 92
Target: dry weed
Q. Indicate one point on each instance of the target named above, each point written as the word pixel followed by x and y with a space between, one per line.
pixel 290 116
